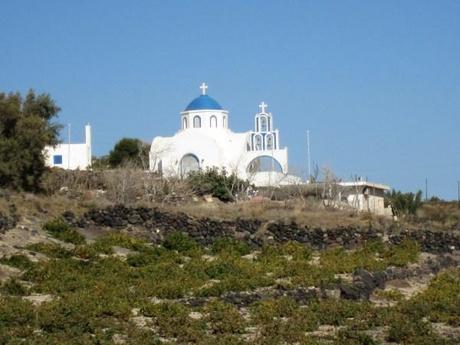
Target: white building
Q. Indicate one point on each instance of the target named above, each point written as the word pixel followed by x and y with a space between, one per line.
pixel 70 156
pixel 365 196
pixel 205 140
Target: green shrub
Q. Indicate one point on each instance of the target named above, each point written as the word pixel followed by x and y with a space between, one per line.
pixel 336 312
pixel 172 320
pixel 18 260
pixel 13 287
pixel 224 318
pixel 350 337
pixel 230 246
pixel 217 183
pixel 59 229
pixel 16 312
pixel 271 309
pixel 440 302
pixel 295 250
pixel 179 241
pixel 403 329
pixel 402 254
pixel 140 260
pixel 53 250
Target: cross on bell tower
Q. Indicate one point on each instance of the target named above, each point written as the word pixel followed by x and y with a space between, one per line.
pixel 262 107
pixel 203 88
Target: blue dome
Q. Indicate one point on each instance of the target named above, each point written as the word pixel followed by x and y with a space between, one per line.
pixel 203 102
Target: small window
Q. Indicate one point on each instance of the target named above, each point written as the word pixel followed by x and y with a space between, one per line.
pixel 224 122
pixel 213 122
pixel 197 122
pixel 57 159
pixel 184 123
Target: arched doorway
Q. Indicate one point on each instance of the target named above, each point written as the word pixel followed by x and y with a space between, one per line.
pixel 188 163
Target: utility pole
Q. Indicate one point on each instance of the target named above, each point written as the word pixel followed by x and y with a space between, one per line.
pixel 458 193
pixel 308 156
pixel 426 189
pixel 68 148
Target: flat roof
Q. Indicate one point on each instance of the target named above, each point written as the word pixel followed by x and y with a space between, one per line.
pixel 365 184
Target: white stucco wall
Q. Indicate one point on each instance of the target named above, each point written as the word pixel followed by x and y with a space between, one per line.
pixel 219 148
pixel 74 156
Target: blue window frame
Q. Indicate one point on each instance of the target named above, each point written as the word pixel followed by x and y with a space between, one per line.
pixel 57 159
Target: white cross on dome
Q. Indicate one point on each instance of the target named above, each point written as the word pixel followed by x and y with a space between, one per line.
pixel 203 88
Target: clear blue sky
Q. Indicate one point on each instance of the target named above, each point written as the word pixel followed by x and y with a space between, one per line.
pixel 376 82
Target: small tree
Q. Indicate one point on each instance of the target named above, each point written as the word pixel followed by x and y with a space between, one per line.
pixel 26 127
pixel 404 203
pixel 129 150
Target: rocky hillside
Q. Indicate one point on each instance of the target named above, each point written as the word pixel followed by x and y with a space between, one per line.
pixel 151 275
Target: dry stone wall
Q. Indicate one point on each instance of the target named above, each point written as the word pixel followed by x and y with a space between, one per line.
pixel 159 224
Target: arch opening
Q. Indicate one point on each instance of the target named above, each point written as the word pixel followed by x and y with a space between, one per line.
pixel 197 122
pixel 264 164
pixel 263 124
pixel 258 142
pixel 213 121
pixel 270 145
pixel 189 163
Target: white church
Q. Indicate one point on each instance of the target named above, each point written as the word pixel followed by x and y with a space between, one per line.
pixel 205 140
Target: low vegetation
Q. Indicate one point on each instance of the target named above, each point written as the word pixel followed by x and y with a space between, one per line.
pixel 180 292
pixel 217 183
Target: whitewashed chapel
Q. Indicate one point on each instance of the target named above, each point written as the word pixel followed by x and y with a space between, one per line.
pixel 206 141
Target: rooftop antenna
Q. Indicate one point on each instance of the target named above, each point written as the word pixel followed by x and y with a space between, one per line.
pixel 308 156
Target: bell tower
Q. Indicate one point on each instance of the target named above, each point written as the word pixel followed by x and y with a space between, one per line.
pixel 264 137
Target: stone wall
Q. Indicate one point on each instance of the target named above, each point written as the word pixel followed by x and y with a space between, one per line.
pixel 159 224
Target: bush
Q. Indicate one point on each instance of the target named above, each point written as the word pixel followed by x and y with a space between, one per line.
pixel 271 309
pixel 13 287
pixel 224 318
pixel 217 183
pixel 354 338
pixel 19 261
pixel 402 254
pixel 51 249
pixel 230 246
pixel 179 241
pixel 403 329
pixel 59 229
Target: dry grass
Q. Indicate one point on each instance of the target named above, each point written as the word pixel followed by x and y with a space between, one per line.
pixel 40 206
pixel 44 207
pixel 311 213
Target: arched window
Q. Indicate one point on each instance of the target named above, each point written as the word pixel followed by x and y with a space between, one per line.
pixel 270 142
pixel 224 122
pixel 263 124
pixel 258 142
pixel 189 163
pixel 213 122
pixel 197 122
pixel 264 163
pixel 184 123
